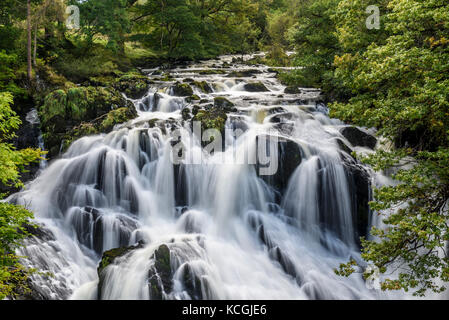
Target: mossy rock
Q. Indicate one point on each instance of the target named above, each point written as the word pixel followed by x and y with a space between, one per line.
pixel 186 115
pixel 160 274
pixel 115 117
pixel 182 90
pixel 223 104
pixel 108 258
pixel 211 119
pixel 133 85
pixel 255 87
pixel 211 71
pixel 193 98
pixel 243 73
pixel 292 90
pixel 203 86
pixel 64 110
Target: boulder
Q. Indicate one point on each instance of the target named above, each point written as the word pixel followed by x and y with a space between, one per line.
pixel 203 86
pixel 289 157
pixel 255 87
pixel 133 85
pixel 358 137
pixel 181 90
pixel 160 274
pixel 292 90
pixel 223 104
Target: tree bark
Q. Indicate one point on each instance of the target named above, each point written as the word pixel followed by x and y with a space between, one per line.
pixel 35 46
pixel 29 69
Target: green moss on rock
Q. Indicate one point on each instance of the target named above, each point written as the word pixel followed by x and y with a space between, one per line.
pixel 203 86
pixel 133 85
pixel 63 111
pixel 182 90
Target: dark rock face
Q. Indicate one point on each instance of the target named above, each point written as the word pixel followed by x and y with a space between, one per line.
pixel 133 85
pixel 289 156
pixel 292 90
pixel 358 137
pixel 360 189
pixel 160 275
pixel 203 86
pixel 182 90
pixel 223 104
pixel 256 87
pixel 243 73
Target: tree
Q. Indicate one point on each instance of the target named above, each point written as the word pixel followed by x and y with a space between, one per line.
pixel 400 84
pixel 108 18
pixel 315 44
pixel 12 218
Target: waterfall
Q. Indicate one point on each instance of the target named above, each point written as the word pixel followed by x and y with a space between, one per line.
pixel 212 226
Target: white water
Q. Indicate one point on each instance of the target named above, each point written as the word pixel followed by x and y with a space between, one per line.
pixel 231 231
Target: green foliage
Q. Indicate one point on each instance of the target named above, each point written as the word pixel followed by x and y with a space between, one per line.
pixel 399 83
pixel 13 276
pixel 12 217
pixel 104 17
pixel 193 29
pixel 315 43
pixel 12 161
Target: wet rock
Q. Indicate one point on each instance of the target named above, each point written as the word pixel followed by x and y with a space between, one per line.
pixel 360 189
pixel 213 118
pixel 108 258
pixel 282 117
pixel 288 155
pixel 181 90
pixel 255 87
pixel 203 86
pixel 186 115
pixel 343 146
pixel 193 98
pixel 191 283
pixel 211 71
pixel 292 90
pixel 160 274
pixel 133 85
pixel 243 73
pixel 358 137
pixel 223 104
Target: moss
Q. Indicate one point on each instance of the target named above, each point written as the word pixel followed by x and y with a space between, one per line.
pixel 211 71
pixel 109 257
pixel 63 111
pixel 134 85
pixel 160 275
pixel 182 90
pixel 203 86
pixel 54 105
pixel 186 115
pixel 211 119
pixel 193 98
pixel 223 103
pixel 77 103
pixel 116 117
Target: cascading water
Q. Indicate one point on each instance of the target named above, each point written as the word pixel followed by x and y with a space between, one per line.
pixel 210 227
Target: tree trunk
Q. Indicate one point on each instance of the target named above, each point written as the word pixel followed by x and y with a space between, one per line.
pixel 35 46
pixel 29 69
